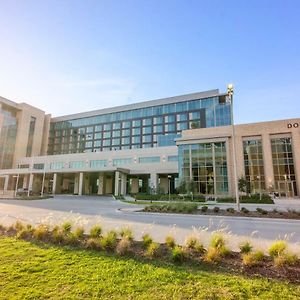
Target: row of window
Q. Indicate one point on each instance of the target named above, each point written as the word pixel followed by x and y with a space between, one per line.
pixel 99 163
pixel 153 111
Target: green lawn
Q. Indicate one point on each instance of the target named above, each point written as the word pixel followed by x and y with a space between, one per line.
pixel 31 271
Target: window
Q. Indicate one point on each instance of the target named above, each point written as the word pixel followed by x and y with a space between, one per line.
pixel 182 117
pixel 172 158
pixel 136 131
pixel 98 163
pixel 89 129
pixel 116 125
pixel 147 122
pixel 169 119
pixel 76 164
pixel 125 132
pixel 126 124
pixel 106 134
pixel 97 135
pixel 254 165
pixel 158 120
pixel 147 138
pixel 107 127
pixel 88 144
pixel 136 123
pixel 169 127
pixel 115 142
pixel 38 166
pixel 116 133
pixel 136 139
pixel 106 142
pixel 147 130
pixel 149 160
pixel 57 165
pixel 122 161
pixel 125 140
pixel 98 127
pixel 97 144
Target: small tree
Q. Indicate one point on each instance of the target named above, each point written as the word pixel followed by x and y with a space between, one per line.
pixel 244 185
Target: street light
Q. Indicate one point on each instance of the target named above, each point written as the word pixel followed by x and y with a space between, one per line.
pixel 230 98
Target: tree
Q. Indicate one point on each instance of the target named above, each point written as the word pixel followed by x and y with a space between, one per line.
pixel 244 185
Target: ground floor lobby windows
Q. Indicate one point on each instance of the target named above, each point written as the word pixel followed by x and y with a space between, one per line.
pixel 283 166
pixel 205 165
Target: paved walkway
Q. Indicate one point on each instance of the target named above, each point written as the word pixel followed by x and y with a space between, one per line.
pixel 112 214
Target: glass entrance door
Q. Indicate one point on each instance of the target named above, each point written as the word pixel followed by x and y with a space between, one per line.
pixel 286 188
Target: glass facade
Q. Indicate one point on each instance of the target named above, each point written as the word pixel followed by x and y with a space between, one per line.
pixel 283 166
pixel 139 128
pixel 206 166
pixel 30 136
pixel 149 160
pixel 254 165
pixel 8 134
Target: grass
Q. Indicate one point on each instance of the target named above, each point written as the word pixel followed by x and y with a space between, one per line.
pixel 39 271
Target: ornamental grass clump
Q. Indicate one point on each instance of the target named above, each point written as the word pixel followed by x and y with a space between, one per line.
pixel 124 245
pixel 109 240
pixel 146 240
pixel 193 244
pixel 57 235
pixel 152 250
pixel 92 243
pixel 246 247
pixel 18 226
pixel 126 233
pixel 95 231
pixel 178 254
pixel 79 233
pixel 170 242
pixel 217 249
pixel 66 227
pixel 280 254
pixel 251 259
pixel 26 232
pixel 41 232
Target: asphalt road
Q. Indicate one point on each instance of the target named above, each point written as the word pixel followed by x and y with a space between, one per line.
pixel 86 211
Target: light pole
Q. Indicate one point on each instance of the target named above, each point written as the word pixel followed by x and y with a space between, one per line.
pixel 230 96
pixel 169 179
pixel 17 182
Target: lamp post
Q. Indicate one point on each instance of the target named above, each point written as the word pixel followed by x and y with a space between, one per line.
pixel 169 179
pixel 230 98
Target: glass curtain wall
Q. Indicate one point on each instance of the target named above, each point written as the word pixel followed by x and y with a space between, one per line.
pixel 8 134
pixel 141 128
pixel 283 165
pixel 205 165
pixel 254 165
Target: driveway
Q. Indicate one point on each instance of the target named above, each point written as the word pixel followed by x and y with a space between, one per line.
pixel 113 214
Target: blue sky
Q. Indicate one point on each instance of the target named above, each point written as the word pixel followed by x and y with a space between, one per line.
pixel 72 56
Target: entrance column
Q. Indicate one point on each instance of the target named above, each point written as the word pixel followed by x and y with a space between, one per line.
pixel 6 182
pixel 30 184
pixel 76 184
pixel 268 162
pixel 123 183
pixel 117 176
pixel 296 156
pixel 153 182
pixel 80 184
pixel 54 183
pixel 101 184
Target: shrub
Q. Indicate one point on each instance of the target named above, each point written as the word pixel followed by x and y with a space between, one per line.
pixel 192 243
pixel 41 232
pixel 218 242
pixel 147 240
pixel 92 243
pixel 124 245
pixel 177 254
pixel 216 209
pixel 109 240
pixel 244 210
pixel 226 200
pixel 152 250
pixel 170 242
pixel 172 207
pixel 95 231
pixel 66 227
pixel 230 210
pixel 18 226
pixel 212 255
pixel 245 247
pixel 79 232
pixel 57 235
pixel 262 211
pixel 285 259
pixel 252 258
pixel 277 248
pixel 204 209
pixel 26 232
pixel 126 232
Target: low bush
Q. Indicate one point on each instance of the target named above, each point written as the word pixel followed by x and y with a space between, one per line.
pixel 285 259
pixel 26 232
pixel 261 211
pixel 66 227
pixel 178 254
pixel 216 209
pixel 192 243
pixel 265 199
pixel 18 226
pixel 92 243
pixel 79 232
pixel 57 235
pixel 126 233
pixel 170 242
pixel 280 255
pixel 230 210
pixel 95 231
pixel 244 210
pixel 246 247
pixel 41 232
pixel 147 240
pixel 218 242
pixel 124 245
pixel 172 207
pixel 212 255
pixel 204 209
pixel 109 240
pixel 252 258
pixel 152 250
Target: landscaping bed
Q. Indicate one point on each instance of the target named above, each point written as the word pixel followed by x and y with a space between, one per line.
pixel 193 257
pixel 192 208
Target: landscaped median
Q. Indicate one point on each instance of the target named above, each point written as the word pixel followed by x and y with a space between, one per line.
pixel 193 208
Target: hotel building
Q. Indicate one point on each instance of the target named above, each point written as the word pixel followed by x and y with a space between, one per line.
pixel 152 145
